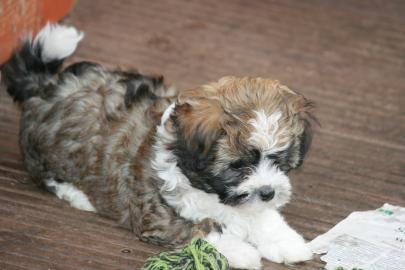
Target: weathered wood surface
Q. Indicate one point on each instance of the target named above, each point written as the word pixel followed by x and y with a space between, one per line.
pixel 347 56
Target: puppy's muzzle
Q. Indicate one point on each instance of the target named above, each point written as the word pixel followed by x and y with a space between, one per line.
pixel 266 193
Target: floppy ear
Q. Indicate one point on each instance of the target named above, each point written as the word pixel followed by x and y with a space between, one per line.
pixel 304 120
pixel 198 124
pixel 306 139
pixel 309 120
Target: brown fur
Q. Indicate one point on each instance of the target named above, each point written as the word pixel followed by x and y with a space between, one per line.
pixel 100 131
pixel 226 106
pixel 82 130
pixel 85 135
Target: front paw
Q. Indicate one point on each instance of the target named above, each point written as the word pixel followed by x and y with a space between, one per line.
pixel 287 251
pixel 239 254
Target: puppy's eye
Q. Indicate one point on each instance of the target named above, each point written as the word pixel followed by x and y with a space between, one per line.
pixel 275 158
pixel 272 156
pixel 242 196
pixel 237 164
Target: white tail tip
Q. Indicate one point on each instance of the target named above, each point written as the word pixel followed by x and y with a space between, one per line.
pixel 57 41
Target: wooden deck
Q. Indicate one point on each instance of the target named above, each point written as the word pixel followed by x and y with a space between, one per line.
pixel 347 56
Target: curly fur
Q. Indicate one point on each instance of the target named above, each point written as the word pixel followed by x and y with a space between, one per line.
pixel 212 161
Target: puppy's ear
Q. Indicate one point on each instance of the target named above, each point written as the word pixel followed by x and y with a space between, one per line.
pixel 198 124
pixel 305 140
pixel 305 114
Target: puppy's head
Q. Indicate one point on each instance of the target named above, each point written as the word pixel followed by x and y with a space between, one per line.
pixel 239 137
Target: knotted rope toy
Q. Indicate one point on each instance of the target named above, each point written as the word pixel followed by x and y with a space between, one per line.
pixel 197 255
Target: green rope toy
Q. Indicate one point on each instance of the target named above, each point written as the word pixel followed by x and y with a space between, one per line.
pixel 197 255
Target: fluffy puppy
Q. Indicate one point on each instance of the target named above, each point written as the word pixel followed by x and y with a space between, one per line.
pixel 209 162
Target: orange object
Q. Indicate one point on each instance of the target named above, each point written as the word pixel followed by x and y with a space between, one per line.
pixel 19 18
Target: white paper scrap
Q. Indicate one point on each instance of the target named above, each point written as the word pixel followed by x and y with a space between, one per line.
pixel 368 240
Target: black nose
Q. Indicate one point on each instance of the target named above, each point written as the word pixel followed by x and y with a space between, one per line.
pixel 266 193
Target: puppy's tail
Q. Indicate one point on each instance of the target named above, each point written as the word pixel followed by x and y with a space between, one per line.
pixel 32 66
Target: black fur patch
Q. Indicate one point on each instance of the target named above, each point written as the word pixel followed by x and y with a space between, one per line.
pixel 140 87
pixel 79 68
pixel 283 159
pixel 250 159
pixel 196 164
pixel 136 92
pixel 25 74
pixel 293 156
pixel 306 141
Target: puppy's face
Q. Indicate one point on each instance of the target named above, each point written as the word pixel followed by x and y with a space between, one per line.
pixel 239 137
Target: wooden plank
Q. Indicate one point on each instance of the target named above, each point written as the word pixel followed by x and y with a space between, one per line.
pixel 347 56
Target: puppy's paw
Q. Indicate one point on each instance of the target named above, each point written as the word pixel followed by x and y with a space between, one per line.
pixel 240 254
pixel 287 252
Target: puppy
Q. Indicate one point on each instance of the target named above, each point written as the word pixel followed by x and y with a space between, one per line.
pixel 209 162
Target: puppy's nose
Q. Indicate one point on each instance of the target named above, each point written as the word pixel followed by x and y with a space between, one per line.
pixel 266 193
